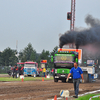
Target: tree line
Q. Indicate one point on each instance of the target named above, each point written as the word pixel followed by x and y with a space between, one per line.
pixel 10 57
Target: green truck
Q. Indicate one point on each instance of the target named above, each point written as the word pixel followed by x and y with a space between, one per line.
pixel 63 61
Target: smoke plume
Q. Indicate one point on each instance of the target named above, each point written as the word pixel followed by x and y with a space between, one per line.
pixel 84 37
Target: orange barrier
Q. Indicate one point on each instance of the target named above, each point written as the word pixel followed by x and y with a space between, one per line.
pixel 22 80
pixel 42 79
pixel 55 98
pixel 66 98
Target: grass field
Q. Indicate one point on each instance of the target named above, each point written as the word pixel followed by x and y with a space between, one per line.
pixel 87 97
pixel 25 79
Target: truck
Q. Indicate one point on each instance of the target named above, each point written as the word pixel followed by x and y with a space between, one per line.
pixel 63 61
pixel 30 68
pixel 90 72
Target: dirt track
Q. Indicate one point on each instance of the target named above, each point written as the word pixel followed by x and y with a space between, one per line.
pixel 40 90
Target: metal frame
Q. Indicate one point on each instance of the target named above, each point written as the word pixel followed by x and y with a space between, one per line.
pixel 72 21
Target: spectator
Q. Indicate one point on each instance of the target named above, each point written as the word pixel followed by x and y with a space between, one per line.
pixel 15 71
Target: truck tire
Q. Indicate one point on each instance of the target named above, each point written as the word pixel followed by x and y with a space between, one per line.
pixel 55 80
pixel 89 79
pixel 86 76
pixel 64 80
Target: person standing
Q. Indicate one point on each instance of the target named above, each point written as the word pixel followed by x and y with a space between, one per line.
pixel 44 70
pixel 77 74
pixel 15 70
pixel 22 70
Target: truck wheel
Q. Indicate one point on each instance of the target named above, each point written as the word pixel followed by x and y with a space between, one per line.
pixel 64 80
pixel 90 80
pixel 55 80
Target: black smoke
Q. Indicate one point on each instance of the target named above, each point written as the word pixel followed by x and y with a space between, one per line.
pixel 84 37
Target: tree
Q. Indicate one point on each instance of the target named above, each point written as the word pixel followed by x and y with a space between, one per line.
pixel 33 56
pixel 44 54
pixel 28 54
pixel 52 54
pixel 1 58
pixel 54 50
pixel 8 57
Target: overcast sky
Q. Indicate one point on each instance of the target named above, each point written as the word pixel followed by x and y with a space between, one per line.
pixel 40 22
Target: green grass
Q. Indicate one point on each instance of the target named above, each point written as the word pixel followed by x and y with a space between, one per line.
pixel 87 97
pixel 25 79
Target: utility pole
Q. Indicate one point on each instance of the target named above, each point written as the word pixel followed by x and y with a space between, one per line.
pixel 17 50
pixel 16 45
